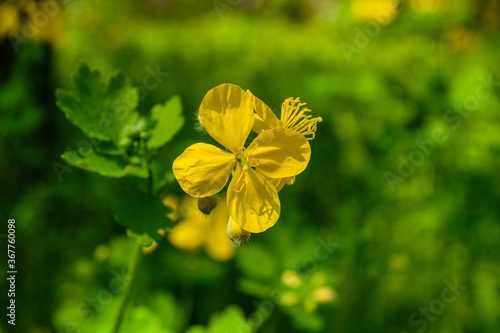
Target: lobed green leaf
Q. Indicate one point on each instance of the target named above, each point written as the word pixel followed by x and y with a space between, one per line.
pixel 143 216
pixel 101 109
pixel 168 120
pixel 103 165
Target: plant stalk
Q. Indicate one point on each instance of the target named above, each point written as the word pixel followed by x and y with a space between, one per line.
pixel 134 264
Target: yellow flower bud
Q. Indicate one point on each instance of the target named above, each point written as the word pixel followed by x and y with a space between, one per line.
pixel 324 295
pixel 291 279
pixel 149 249
pixel 207 204
pixel 236 234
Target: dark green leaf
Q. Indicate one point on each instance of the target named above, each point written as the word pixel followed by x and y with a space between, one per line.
pixel 100 109
pixel 143 217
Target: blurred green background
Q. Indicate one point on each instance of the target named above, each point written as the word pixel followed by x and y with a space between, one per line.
pixel 403 178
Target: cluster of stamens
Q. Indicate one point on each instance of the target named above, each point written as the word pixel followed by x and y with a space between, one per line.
pixel 297 119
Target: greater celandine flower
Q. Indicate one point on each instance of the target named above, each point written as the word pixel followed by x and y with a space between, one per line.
pixel 202 170
pixel 293 116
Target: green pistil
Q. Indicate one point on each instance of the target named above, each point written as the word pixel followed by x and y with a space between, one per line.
pixel 241 158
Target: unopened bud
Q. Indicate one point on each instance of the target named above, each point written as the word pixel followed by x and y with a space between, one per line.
pixel 236 234
pixel 207 204
pixel 149 249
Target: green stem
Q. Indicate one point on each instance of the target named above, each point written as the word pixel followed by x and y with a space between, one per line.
pixel 150 181
pixel 132 270
pixel 131 277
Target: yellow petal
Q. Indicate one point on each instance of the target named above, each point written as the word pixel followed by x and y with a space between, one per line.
pixel 258 124
pixel 290 180
pixel 226 114
pixel 203 169
pixel 279 153
pixel 191 232
pixel 187 236
pixel 252 200
pixel 218 246
pixel 265 117
pixel 149 249
pixel 279 183
pixel 172 201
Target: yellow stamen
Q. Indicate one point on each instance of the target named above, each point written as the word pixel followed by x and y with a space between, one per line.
pixel 292 117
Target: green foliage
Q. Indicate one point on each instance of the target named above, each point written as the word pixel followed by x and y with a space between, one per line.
pixel 169 121
pixel 103 165
pixel 142 319
pixel 106 111
pixel 231 319
pixel 143 216
pixel 397 244
pixel 289 278
pixel 100 109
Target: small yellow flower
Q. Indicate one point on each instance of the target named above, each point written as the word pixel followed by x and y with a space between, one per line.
pixel 383 11
pixel 9 19
pixel 292 117
pixel 12 20
pixel 202 170
pixel 291 279
pixel 197 230
pixel 324 295
pixel 426 6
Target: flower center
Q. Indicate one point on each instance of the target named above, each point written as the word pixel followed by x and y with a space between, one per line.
pixel 241 158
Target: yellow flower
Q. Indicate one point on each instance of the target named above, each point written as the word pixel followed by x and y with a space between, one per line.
pixel 383 11
pixel 202 170
pixel 12 20
pixel 324 295
pixel 9 19
pixel 292 117
pixel 197 230
pixel 291 279
pixel 426 6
